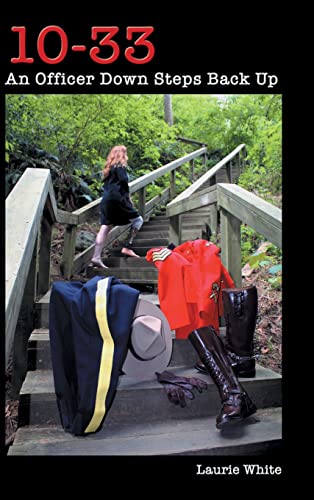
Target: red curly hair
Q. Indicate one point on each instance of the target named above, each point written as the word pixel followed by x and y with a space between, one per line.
pixel 117 156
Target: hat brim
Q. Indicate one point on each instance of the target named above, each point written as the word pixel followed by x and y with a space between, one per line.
pixel 145 369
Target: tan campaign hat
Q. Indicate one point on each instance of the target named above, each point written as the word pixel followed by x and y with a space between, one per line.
pixel 150 345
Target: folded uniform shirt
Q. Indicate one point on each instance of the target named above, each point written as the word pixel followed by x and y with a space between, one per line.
pixel 190 280
pixel 89 326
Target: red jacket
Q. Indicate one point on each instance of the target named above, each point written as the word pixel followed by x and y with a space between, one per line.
pixel 190 280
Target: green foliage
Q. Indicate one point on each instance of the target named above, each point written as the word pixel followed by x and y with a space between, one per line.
pixel 269 259
pixel 73 133
pixel 79 131
pixel 254 120
pixel 250 241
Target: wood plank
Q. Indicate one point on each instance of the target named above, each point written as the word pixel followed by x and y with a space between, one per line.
pixel 64 217
pixel 68 250
pixel 191 141
pixel 84 257
pixel 201 199
pixel 24 208
pixel 172 184
pixel 24 327
pixel 231 245
pixel 159 172
pixel 159 199
pixel 52 203
pixel 88 211
pixel 175 229
pixel 141 202
pixel 44 255
pixel 192 169
pixel 213 217
pixel 262 216
pixel 210 173
pixel 229 172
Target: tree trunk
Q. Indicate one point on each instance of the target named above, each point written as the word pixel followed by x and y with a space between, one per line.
pixel 168 109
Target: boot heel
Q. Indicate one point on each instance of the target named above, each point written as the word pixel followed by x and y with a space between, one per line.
pixel 245 373
pixel 244 368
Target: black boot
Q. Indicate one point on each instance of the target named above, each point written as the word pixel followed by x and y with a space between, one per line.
pixel 236 404
pixel 240 312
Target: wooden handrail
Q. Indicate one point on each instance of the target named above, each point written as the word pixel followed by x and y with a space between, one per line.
pixel 143 181
pixel 259 214
pixel 200 199
pixel 191 141
pixel 188 200
pixel 30 212
pixel 207 176
pixel 238 205
pixel 73 219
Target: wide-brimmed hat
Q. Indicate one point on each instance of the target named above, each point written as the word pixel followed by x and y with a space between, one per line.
pixel 150 344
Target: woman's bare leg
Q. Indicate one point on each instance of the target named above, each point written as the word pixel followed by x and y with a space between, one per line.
pixel 99 245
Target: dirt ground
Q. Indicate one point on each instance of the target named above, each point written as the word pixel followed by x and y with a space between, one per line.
pixel 268 332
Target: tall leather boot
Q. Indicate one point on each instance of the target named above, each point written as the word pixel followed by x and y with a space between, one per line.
pixel 236 404
pixel 240 312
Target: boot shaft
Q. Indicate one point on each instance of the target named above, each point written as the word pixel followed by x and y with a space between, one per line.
pixel 212 353
pixel 236 404
pixel 240 312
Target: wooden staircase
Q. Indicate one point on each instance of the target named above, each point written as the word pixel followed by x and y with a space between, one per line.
pixel 141 420
pixel 154 233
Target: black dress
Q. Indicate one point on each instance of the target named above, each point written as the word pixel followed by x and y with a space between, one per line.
pixel 116 207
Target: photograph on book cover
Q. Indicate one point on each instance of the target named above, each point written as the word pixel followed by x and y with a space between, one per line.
pixel 143 274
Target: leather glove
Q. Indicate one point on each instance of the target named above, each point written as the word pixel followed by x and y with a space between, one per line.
pixel 184 382
pixel 177 394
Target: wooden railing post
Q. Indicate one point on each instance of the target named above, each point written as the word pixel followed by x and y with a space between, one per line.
pixel 25 206
pixel 24 327
pixel 192 170
pixel 212 180
pixel 213 217
pixel 172 184
pixel 142 201
pixel 175 229
pixel 231 245
pixel 69 250
pixel 204 160
pixel 44 250
pixel 243 159
pixel 229 171
pixel 238 158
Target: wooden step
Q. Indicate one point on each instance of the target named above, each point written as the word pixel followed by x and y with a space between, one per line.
pixel 147 227
pixel 142 241
pixel 39 357
pixel 152 235
pixel 158 218
pixel 259 434
pixel 42 308
pixel 126 275
pixel 157 222
pixel 140 249
pixel 144 401
pixel 123 262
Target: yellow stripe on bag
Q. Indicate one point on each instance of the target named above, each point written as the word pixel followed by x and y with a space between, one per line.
pixel 106 356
